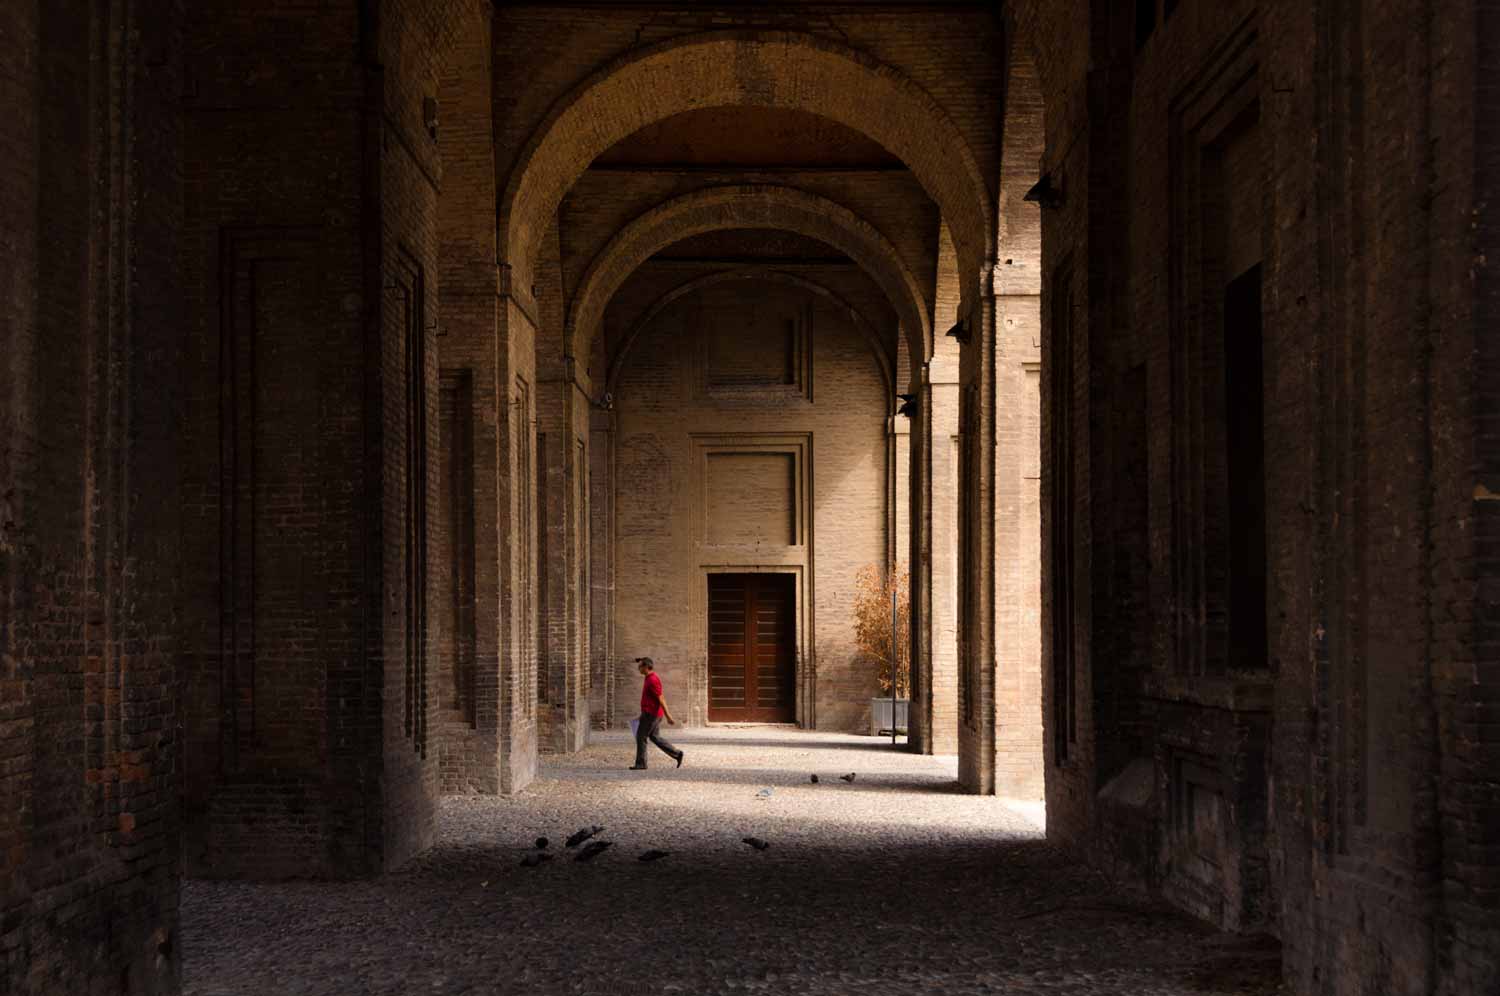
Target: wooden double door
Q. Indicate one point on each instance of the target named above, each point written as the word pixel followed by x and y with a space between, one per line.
pixel 752 648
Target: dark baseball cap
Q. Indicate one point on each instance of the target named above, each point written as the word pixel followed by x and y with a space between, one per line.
pixel 646 661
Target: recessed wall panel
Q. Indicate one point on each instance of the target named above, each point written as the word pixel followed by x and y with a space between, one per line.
pixel 751 498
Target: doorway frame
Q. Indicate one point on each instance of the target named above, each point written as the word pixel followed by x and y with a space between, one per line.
pixel 805 677
pixel 801 612
pixel 794 558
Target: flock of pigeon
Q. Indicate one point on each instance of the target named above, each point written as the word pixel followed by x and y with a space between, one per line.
pixel 593 848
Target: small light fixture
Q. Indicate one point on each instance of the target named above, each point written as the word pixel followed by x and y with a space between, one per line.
pixel 908 405
pixel 1043 193
pixel 959 331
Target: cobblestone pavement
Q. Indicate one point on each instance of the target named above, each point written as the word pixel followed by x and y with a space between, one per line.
pixel 894 883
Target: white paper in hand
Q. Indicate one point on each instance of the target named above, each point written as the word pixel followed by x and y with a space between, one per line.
pixel 634 725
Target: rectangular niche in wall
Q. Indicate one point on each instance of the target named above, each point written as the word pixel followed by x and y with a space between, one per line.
pixel 751 498
pixel 408 287
pixel 1220 198
pixel 765 359
pixel 271 492
pixel 751 348
pixel 751 490
pixel 1200 842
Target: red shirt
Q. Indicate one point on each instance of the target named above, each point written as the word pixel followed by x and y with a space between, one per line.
pixel 651 696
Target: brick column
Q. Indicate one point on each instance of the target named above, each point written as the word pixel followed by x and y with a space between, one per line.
pixel 898 476
pixel 934 536
pixel 562 513
pixel 976 521
pixel 1017 511
pixel 469 309
pixel 601 570
pixel 513 479
pixel 934 505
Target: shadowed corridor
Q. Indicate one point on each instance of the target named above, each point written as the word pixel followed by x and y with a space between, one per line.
pixel 1114 384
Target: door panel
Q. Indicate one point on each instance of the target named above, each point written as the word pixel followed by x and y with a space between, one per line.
pixel 752 645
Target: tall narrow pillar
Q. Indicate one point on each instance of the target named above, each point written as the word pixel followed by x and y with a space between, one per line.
pixel 1018 529
pixel 934 505
pixel 601 570
pixel 898 462
pixel 510 490
pixel 563 523
pixel 977 498
pixel 934 533
pixel 471 308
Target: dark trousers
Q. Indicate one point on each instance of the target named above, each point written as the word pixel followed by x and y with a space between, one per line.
pixel 649 728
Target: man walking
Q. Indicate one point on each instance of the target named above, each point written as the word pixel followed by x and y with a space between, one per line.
pixel 653 708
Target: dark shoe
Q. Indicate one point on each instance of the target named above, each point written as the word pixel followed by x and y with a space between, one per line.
pixel 637 767
pixel 679 758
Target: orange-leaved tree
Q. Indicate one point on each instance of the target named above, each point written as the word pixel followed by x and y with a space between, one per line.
pixel 872 623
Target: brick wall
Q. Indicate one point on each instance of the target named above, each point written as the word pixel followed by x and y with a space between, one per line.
pixel 1325 793
pixel 312 183
pixel 468 305
pixel 562 500
pixel 273 226
pixel 892 202
pixel 1019 763
pixel 934 503
pixel 659 566
pixel 415 45
pixel 91 327
pixel 817 220
pixel 1470 808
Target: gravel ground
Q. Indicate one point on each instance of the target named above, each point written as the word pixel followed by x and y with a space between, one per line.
pixel 895 883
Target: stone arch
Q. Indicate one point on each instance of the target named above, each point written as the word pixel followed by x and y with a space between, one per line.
pixel 747 206
pixel 754 68
pixel 866 331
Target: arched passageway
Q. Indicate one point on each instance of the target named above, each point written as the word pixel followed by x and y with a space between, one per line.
pixel 748 207
pixel 738 68
pixel 380 378
pixel 753 454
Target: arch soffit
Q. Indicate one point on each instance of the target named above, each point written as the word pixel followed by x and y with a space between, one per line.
pixel 747 206
pixel 867 332
pixel 750 68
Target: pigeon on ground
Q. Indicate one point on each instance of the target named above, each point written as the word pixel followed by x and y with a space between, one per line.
pixel 757 843
pixel 815 779
pixel 583 835
pixel 653 855
pixel 592 851
pixel 541 843
pixel 534 858
pixel 847 778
